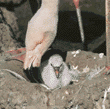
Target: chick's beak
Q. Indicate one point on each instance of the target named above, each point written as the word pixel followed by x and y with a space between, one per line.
pixel 57 73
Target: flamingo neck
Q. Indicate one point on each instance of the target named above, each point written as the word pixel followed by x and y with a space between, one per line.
pixel 50 4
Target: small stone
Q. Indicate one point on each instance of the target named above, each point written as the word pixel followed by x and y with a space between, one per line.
pixel 66 92
pixel 101 55
pixel 63 97
pixel 86 69
pixel 73 52
pixel 94 57
pixel 74 55
pixel 75 67
pixel 78 51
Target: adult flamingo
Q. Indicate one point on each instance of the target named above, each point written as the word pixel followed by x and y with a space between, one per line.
pixel 41 32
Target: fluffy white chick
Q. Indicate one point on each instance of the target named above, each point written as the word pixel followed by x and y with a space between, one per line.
pixel 56 73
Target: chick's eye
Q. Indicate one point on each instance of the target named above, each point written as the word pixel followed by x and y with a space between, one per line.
pixel 51 65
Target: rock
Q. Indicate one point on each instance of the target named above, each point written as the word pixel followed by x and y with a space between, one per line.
pixel 12 2
pixel 11 21
pixel 7 43
pixel 9 31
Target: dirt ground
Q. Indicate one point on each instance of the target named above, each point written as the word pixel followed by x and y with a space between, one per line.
pixel 86 93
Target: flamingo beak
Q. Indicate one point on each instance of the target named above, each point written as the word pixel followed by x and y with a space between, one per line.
pixel 57 73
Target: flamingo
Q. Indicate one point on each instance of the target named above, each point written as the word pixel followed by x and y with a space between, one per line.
pixel 41 32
